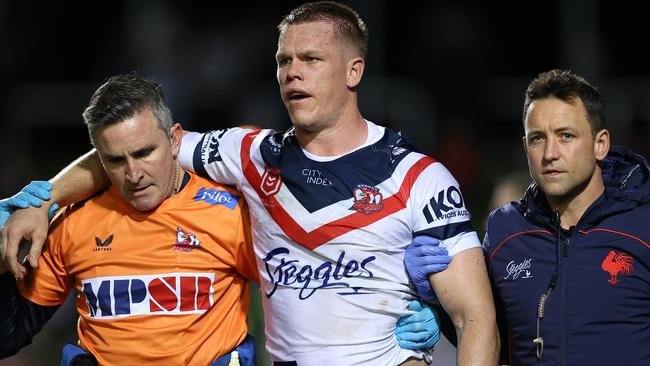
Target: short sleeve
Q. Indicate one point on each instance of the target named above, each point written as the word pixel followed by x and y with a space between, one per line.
pixel 439 210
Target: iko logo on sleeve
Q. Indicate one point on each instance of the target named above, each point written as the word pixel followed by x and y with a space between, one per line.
pixel 159 294
pixel 448 199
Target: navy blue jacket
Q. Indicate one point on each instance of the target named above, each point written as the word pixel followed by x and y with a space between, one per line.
pixel 598 311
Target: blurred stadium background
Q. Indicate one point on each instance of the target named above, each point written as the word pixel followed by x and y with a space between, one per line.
pixel 449 74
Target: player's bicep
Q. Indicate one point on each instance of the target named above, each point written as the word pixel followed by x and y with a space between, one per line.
pixel 463 288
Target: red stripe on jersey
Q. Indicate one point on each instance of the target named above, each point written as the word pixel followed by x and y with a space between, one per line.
pixel 329 231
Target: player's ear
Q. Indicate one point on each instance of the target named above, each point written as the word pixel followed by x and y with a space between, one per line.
pixel 355 70
pixel 175 138
pixel 601 144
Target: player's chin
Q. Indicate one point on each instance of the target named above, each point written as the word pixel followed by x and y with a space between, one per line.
pixel 145 203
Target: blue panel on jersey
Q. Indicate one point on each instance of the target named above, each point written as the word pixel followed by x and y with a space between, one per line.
pixel 446 231
pixel 207 151
pixel 319 184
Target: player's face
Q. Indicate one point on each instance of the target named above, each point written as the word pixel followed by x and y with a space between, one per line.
pixel 313 68
pixel 561 150
pixel 139 158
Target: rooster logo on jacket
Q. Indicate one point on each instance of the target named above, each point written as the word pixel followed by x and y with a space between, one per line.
pixel 616 263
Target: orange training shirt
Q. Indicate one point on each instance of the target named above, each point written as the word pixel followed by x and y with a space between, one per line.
pixel 169 285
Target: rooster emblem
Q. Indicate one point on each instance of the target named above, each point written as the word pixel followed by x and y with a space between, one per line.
pixel 367 199
pixel 616 263
pixel 186 241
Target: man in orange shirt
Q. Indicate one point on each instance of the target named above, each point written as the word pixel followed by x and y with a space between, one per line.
pixel 161 259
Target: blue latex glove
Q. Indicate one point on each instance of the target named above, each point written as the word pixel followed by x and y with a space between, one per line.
pixel 32 194
pixel 423 257
pixel 418 331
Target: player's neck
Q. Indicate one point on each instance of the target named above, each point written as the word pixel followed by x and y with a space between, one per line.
pixel 338 139
pixel 178 179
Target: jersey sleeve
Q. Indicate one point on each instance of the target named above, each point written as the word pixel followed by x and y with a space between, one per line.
pixel 439 210
pixel 49 284
pixel 215 154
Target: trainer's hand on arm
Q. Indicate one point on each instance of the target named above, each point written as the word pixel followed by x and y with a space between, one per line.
pixel 464 291
pixel 76 182
pixel 420 330
pixel 29 224
pixel 33 194
pixel 424 256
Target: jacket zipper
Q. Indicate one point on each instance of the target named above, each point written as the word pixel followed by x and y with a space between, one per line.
pixel 562 241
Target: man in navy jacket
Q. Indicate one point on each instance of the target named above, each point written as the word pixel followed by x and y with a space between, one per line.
pixel 570 262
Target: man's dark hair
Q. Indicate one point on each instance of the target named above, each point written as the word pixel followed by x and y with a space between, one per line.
pixel 122 97
pixel 567 86
pixel 348 25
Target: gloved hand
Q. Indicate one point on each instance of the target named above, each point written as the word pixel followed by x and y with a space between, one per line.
pixel 418 331
pixel 31 195
pixel 423 257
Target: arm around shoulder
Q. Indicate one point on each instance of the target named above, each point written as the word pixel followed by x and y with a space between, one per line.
pixel 79 180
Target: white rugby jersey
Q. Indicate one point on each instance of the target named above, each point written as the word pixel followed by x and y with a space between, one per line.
pixel 330 236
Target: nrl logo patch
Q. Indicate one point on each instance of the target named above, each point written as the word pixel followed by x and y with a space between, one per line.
pixel 186 241
pixel 367 199
pixel 271 181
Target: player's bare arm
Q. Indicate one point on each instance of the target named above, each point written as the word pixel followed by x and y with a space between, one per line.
pixel 76 182
pixel 464 292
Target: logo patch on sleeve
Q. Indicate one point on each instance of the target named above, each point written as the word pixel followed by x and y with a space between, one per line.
pixel 210 147
pixel 217 197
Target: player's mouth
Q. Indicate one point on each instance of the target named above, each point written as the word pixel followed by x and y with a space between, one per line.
pixel 552 173
pixel 295 95
pixel 139 191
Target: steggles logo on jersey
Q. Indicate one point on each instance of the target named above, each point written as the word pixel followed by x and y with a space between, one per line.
pixel 289 272
pixel 186 241
pixel 616 263
pixel 103 245
pixel 157 294
pixel 210 147
pixel 271 181
pixel 367 199
pixel 514 270
pixel 217 197
pixel 448 199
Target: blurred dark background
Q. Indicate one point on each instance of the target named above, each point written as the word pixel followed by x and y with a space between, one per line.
pixel 449 74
